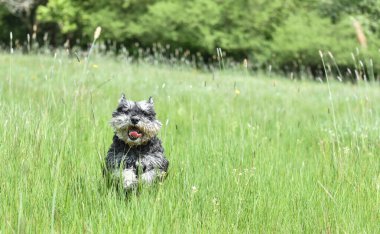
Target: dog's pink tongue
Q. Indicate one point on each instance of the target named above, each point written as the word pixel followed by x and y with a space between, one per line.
pixel 135 134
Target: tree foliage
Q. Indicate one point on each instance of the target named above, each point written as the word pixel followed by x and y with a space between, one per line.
pixel 284 34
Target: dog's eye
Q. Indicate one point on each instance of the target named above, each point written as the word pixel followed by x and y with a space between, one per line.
pixel 149 113
pixel 122 109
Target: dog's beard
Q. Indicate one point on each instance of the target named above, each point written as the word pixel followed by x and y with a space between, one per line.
pixel 134 134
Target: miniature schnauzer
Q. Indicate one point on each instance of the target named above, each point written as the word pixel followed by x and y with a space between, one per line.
pixel 136 153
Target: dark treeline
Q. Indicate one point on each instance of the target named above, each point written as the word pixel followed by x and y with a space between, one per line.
pixel 283 35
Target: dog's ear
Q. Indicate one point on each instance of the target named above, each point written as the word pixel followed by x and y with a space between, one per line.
pixel 122 98
pixel 150 100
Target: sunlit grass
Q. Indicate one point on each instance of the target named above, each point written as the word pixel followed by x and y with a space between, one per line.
pixel 247 153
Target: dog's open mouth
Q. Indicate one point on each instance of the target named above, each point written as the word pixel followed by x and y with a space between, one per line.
pixel 134 133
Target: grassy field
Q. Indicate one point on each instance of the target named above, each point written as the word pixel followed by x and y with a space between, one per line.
pixel 247 153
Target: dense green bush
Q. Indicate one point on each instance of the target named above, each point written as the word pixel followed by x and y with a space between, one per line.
pixel 10 23
pixel 299 39
pixel 297 42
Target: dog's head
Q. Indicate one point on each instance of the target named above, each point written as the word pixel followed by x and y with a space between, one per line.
pixel 135 123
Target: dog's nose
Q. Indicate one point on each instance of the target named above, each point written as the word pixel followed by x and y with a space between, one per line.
pixel 135 119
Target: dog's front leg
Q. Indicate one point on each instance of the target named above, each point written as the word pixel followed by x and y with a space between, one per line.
pixel 149 177
pixel 155 167
pixel 128 176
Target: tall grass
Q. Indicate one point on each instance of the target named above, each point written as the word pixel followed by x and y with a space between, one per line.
pixel 257 160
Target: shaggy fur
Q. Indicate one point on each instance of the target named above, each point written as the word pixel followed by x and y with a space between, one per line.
pixel 133 159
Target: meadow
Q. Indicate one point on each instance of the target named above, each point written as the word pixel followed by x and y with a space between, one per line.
pixel 248 153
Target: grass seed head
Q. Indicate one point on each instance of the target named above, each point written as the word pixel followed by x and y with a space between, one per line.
pixel 245 63
pixel 97 32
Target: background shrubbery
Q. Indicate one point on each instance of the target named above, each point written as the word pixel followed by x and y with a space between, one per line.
pixel 283 35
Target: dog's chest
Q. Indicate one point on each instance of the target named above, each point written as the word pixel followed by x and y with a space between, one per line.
pixel 134 159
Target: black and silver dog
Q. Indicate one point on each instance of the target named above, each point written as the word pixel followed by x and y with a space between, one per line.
pixel 136 153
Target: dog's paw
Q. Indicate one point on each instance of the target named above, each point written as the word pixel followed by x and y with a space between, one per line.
pixel 130 180
pixel 148 177
pixel 127 177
